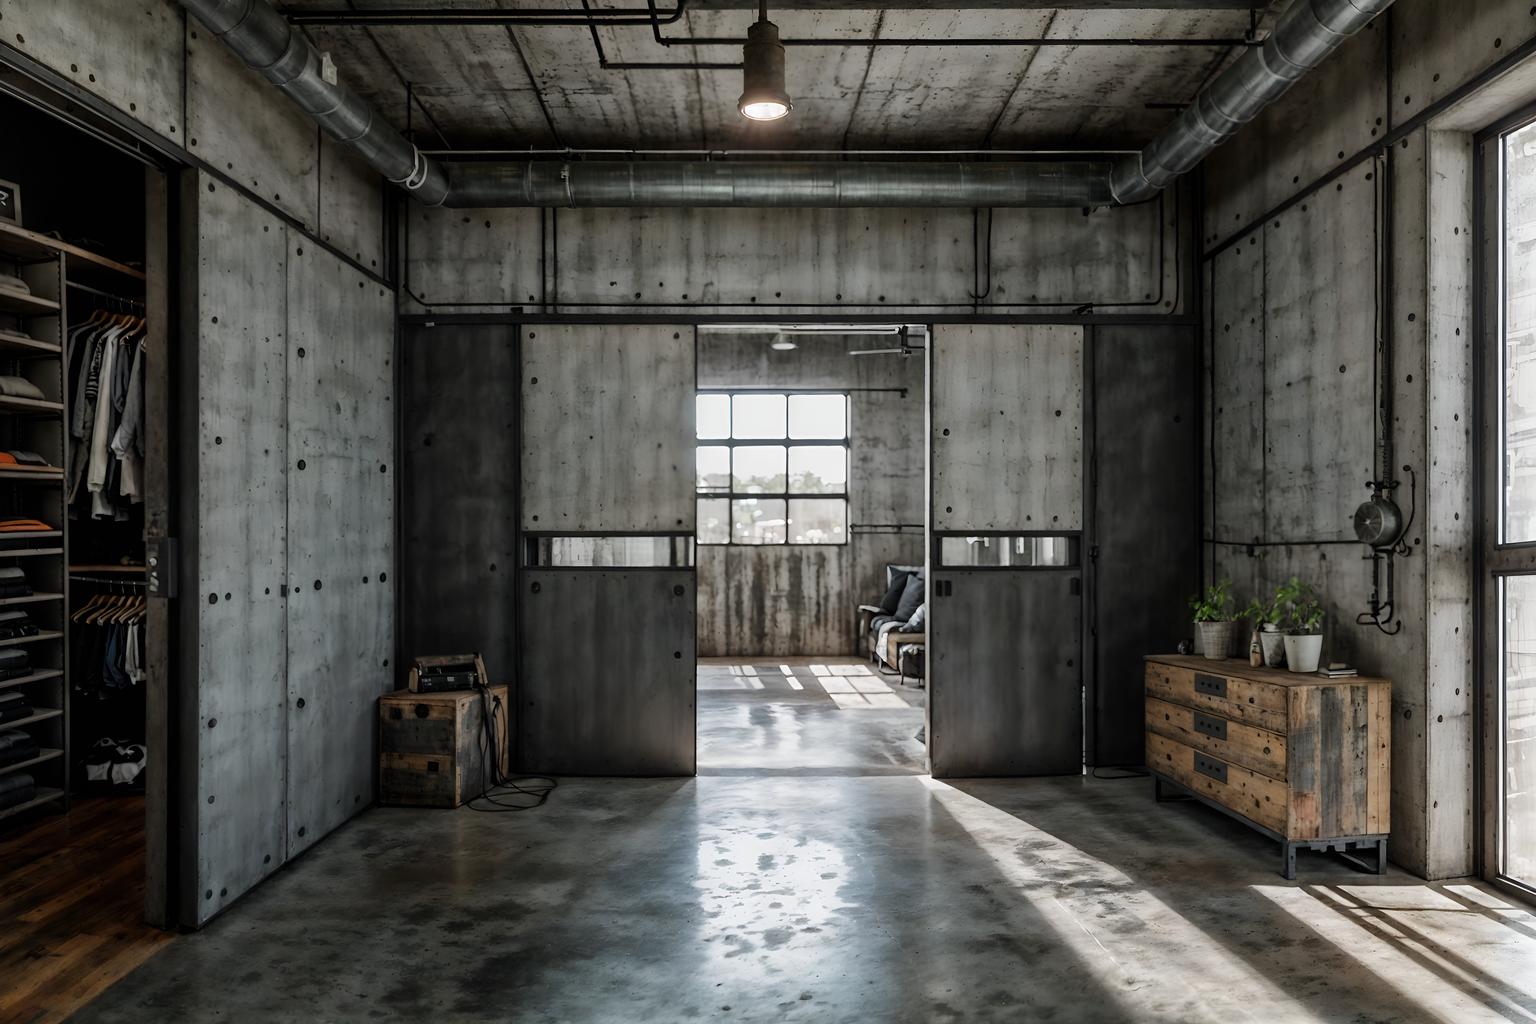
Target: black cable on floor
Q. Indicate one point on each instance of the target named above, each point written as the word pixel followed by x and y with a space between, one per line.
pixel 1127 773
pixel 495 788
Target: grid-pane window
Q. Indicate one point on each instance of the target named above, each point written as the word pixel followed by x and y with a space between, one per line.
pixel 772 467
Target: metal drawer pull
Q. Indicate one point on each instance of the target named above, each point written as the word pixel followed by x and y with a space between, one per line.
pixel 1211 768
pixel 1214 686
pixel 1215 728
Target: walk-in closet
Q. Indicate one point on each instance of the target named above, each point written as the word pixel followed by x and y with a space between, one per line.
pixel 75 727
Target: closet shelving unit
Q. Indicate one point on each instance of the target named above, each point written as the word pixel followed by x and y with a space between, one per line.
pixel 33 329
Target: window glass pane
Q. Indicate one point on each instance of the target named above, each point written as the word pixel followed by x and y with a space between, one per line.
pixel 1517 712
pixel 758 520
pixel 818 469
pixel 757 416
pixel 1519 342
pixel 759 469
pixel 1016 552
pixel 818 521
pixel 714 468
pixel 714 524
pixel 818 416
pixel 610 551
pixel 713 413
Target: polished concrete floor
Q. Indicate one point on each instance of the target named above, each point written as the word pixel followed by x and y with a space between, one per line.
pixel 809 874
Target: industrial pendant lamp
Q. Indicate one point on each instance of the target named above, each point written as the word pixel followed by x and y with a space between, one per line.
pixel 762 94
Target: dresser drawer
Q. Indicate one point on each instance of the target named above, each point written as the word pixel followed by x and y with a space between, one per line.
pixel 1255 703
pixel 1256 797
pixel 1235 742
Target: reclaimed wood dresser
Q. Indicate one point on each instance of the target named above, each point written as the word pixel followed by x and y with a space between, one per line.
pixel 1304 759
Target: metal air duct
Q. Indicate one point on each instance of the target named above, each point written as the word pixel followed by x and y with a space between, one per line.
pixel 262 38
pixel 1306 33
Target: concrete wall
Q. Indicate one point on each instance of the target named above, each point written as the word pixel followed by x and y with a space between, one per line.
pixel 162 70
pixel 787 600
pixel 793 262
pixel 1298 297
pixel 287 522
pixel 286 439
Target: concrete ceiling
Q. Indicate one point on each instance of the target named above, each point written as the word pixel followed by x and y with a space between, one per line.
pixel 540 87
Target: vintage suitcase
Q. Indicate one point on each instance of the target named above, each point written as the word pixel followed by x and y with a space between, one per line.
pixel 433 749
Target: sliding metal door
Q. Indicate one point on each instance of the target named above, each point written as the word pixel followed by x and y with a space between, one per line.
pixel 606 675
pixel 1005 586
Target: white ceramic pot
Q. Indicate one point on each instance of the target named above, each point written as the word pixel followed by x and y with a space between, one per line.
pixel 1303 652
pixel 1215 639
pixel 1273 642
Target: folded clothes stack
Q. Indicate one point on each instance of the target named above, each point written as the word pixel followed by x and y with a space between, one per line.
pixel 24 526
pixel 16 788
pixel 14 662
pixel 20 458
pixel 15 624
pixel 12 283
pixel 19 387
pixel 13 582
pixel 16 746
pixel 14 707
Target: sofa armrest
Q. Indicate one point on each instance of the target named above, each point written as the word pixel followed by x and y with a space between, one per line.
pixel 907 638
pixel 869 608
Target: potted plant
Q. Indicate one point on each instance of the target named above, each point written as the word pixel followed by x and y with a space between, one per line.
pixel 1266 617
pixel 1213 619
pixel 1303 620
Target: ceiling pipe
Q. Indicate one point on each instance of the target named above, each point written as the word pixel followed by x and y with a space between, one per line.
pixel 1306 33
pixel 779 184
pixel 264 40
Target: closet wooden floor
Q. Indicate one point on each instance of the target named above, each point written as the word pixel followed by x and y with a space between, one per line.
pixel 72 908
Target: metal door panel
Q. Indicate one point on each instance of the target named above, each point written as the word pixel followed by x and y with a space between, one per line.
pixel 1145 515
pixel 1006 696
pixel 607 675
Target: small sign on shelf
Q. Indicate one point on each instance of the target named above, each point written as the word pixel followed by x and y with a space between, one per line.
pixel 10 202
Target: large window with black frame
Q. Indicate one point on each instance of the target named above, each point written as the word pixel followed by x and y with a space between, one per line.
pixel 772 467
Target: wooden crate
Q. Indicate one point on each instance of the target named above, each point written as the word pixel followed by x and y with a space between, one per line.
pixel 1304 759
pixel 432 746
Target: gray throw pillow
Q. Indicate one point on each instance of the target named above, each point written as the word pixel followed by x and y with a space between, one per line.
pixel 918 623
pixel 916 593
pixel 893 595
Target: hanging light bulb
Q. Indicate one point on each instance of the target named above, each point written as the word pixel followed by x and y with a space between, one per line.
pixel 762 95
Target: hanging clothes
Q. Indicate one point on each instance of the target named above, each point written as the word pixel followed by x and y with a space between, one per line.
pixel 106 377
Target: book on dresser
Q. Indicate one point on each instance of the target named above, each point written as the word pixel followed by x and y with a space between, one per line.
pixel 1304 759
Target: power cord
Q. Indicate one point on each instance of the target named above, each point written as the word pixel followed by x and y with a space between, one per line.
pixel 1126 773
pixel 496 788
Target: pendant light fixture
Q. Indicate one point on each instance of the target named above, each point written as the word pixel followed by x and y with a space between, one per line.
pixel 762 94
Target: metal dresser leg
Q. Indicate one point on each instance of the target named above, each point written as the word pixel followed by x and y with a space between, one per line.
pixel 1288 861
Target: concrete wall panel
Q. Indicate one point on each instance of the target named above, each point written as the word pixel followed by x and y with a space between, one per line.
pixel 608 433
pixel 1007 428
pixel 1448 534
pixel 777 600
pixel 458 593
pixel 237 793
pixel 1320 273
pixel 457 260
pixel 340 536
pixel 787 260
pixel 1339 108
pixel 1235 411
pixel 242 125
pixel 1439 45
pixel 351 206
pixel 128 52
